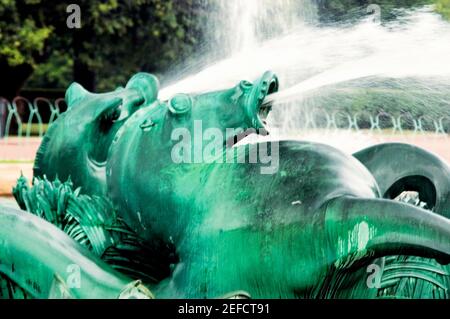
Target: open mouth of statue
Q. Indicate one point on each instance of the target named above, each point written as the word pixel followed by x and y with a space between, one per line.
pixel 259 103
pixel 266 104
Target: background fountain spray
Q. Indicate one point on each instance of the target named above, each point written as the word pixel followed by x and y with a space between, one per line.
pixel 316 63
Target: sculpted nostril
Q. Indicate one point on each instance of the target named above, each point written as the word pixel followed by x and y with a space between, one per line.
pixel 180 104
pixel 273 87
pixel 245 85
pixel 146 84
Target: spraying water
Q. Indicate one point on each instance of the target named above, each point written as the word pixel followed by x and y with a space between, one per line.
pixel 245 29
pixel 310 59
pixel 247 23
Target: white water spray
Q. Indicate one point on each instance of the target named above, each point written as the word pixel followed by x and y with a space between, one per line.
pixel 308 57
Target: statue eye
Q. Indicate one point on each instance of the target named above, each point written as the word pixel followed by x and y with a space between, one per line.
pixel 180 103
pixel 111 114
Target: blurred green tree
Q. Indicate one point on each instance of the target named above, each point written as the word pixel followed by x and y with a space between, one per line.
pixel 116 39
pixel 443 7
pixel 120 37
pixel 333 10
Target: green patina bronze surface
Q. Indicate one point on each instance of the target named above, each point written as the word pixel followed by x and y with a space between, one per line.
pixel 306 227
pixel 78 144
pixel 36 257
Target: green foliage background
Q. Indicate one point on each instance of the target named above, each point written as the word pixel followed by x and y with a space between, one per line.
pixel 351 9
pixel 119 38
pixel 443 7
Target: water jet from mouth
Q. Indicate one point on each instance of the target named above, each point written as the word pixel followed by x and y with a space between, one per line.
pixel 315 62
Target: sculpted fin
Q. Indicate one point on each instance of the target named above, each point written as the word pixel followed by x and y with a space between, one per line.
pixel 369 228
